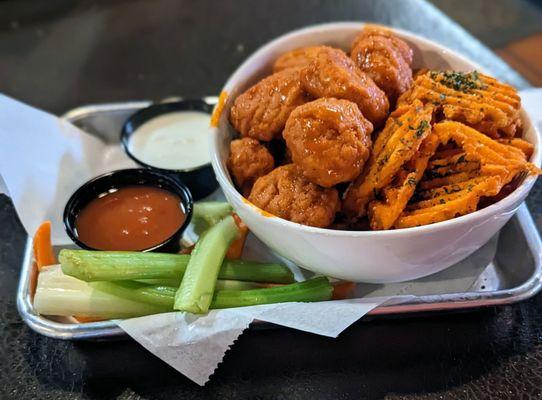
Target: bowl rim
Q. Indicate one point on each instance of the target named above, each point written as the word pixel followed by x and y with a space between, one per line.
pixel 520 192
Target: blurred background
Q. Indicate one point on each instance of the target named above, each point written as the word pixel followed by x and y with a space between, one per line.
pixel 512 28
pixel 59 54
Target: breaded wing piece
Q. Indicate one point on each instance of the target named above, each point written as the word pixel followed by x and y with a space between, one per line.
pixel 248 161
pixel 333 74
pixel 261 112
pixel 286 193
pixel 385 58
pixel 297 58
pixel 329 139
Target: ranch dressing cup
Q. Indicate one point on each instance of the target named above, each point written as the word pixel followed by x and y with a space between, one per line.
pixel 173 138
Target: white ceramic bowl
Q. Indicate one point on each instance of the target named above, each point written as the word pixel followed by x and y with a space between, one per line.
pixel 380 256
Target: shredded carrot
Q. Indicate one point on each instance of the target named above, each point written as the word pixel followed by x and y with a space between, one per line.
pixel 217 112
pixel 236 248
pixel 43 249
pixel 343 290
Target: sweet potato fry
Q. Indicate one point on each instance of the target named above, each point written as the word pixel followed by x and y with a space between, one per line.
pixel 526 147
pixel 398 142
pixel 482 171
pixel 448 207
pixel 481 147
pixel 447 180
pixel 475 99
pixel 447 151
pixel 382 214
pixel 450 188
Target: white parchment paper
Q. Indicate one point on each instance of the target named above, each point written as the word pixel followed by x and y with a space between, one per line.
pixel 195 345
pixel 44 159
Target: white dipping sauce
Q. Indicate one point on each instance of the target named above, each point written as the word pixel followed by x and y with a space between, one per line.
pixel 176 140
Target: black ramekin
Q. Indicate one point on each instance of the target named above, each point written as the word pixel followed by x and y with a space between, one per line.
pixel 200 180
pixel 128 177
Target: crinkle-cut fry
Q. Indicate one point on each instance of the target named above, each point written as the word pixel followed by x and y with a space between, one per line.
pixel 383 214
pixel 450 188
pixel 526 147
pixel 460 162
pixel 452 169
pixel 487 150
pixel 434 201
pixel 451 160
pixel 448 180
pixel 472 98
pixel 397 143
pixel 460 206
pixel 393 122
pixel 447 152
pixel 499 98
pixel 499 170
pixel 448 209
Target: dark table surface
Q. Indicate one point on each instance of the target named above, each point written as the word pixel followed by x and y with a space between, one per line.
pixel 58 55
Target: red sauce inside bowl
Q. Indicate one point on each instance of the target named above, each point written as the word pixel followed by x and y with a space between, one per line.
pixel 130 218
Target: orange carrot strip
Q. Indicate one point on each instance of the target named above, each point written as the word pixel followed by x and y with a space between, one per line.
pixel 219 108
pixel 43 249
pixel 236 248
pixel 343 290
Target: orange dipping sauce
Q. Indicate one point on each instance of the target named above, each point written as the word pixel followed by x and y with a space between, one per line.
pixel 131 218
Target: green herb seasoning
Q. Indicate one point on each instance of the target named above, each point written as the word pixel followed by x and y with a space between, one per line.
pixel 459 81
pixel 421 128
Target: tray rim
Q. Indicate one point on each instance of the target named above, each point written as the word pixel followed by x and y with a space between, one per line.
pixel 411 303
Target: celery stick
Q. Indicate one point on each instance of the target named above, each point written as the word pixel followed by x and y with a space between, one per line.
pixel 121 265
pixel 94 266
pixel 243 270
pixel 63 295
pixel 197 287
pixel 228 284
pixel 221 284
pixel 162 296
pixel 317 289
pixel 208 213
pixel 157 282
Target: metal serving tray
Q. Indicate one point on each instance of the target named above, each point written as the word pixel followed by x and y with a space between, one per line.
pixel 506 270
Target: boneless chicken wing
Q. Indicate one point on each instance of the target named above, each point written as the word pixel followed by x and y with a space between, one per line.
pixel 332 74
pixel 248 161
pixel 329 139
pixel 286 193
pixel 297 58
pixel 385 58
pixel 262 110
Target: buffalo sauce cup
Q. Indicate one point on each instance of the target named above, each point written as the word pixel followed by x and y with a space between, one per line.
pixel 129 210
